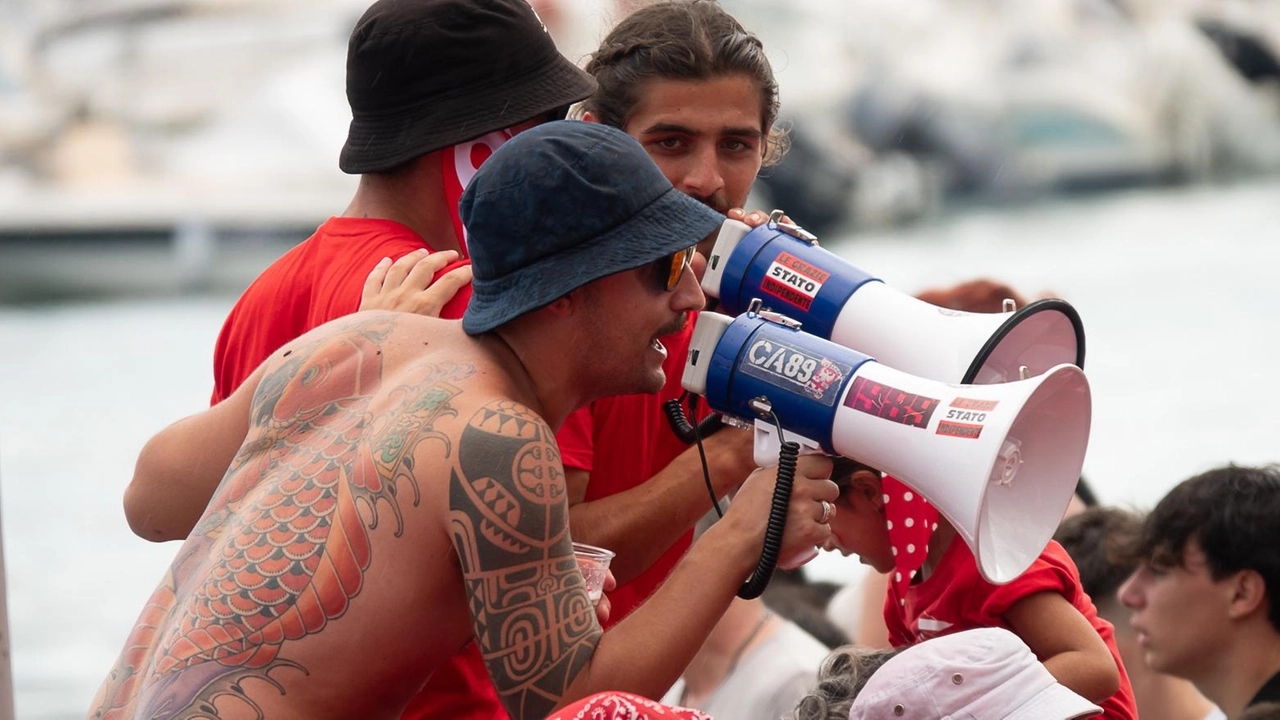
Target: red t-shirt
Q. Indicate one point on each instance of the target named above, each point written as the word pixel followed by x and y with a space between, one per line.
pixel 318 280
pixel 956 597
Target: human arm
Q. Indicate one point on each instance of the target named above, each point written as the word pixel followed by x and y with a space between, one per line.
pixel 420 282
pixel 641 523
pixel 180 467
pixel 1066 643
pixel 508 517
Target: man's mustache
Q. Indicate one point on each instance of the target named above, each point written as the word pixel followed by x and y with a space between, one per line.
pixel 719 203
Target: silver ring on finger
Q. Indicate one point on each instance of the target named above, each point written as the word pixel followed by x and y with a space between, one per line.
pixel 827 511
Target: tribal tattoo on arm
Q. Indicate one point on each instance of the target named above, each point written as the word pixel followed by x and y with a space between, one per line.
pixel 534 623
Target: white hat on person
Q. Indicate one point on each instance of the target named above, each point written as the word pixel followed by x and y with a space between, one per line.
pixel 983 674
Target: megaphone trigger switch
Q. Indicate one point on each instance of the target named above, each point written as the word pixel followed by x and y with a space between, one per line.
pixel 1008 460
pixel 761 406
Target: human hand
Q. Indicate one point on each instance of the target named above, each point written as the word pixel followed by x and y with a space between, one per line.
pixel 603 606
pixel 755 218
pixel 730 457
pixel 407 285
pixel 807 516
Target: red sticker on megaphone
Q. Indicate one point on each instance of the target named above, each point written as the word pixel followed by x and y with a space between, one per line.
pixel 793 280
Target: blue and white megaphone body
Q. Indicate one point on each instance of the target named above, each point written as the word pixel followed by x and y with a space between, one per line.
pixel 783 266
pixel 999 461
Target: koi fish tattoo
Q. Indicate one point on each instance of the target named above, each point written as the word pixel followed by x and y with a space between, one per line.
pixel 284 546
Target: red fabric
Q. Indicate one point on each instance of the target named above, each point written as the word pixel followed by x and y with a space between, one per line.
pixel 956 597
pixel 626 441
pixel 459 688
pixel 911 520
pixel 459 164
pixel 317 281
pixel 623 706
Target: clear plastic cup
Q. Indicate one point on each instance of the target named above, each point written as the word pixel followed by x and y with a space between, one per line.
pixel 594 563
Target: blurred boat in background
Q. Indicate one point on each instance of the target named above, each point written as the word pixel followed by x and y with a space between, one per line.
pixel 187 122
pixel 910 105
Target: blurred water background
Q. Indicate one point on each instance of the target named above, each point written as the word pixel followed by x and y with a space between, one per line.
pixel 155 154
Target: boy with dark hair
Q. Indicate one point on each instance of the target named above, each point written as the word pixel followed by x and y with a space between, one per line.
pixel 1098 540
pixel 1203 598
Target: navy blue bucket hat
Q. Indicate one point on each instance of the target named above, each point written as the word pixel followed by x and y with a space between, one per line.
pixel 564 204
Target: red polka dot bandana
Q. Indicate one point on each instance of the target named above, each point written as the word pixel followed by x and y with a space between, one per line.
pixel 911 521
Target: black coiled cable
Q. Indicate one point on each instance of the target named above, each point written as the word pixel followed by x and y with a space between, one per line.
pixel 690 433
pixel 788 457
pixel 679 421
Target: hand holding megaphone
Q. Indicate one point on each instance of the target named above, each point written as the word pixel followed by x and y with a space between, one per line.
pixel 806 528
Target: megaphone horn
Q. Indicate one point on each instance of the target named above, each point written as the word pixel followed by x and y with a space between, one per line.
pixel 999 461
pixel 832 299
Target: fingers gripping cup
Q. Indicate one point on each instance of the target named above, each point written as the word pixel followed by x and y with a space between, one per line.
pixel 594 563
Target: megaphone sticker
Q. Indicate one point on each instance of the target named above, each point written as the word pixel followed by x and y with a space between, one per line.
pixel 793 369
pixel 890 403
pixel 793 280
pixel 960 430
pixel 965 417
pixel 965 403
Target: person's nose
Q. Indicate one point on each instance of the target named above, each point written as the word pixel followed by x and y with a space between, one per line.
pixel 1130 593
pixel 703 178
pixel 687 295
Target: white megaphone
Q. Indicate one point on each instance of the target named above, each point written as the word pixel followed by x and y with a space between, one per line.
pixel 783 266
pixel 999 461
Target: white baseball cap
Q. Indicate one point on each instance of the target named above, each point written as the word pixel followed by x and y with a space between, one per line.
pixel 987 674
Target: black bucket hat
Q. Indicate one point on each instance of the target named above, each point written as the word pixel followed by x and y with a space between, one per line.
pixel 564 204
pixel 427 74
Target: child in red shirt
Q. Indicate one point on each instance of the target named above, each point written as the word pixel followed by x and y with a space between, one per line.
pixel 935 588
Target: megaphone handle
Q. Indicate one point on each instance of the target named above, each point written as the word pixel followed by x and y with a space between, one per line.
pixel 788 456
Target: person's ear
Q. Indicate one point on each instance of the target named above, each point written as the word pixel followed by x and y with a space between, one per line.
pixel 588 117
pixel 565 305
pixel 869 484
pixel 1249 594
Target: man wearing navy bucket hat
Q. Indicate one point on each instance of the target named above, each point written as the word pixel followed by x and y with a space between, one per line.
pixel 395 489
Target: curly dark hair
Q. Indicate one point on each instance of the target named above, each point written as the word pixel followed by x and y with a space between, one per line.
pixel 841 677
pixel 680 40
